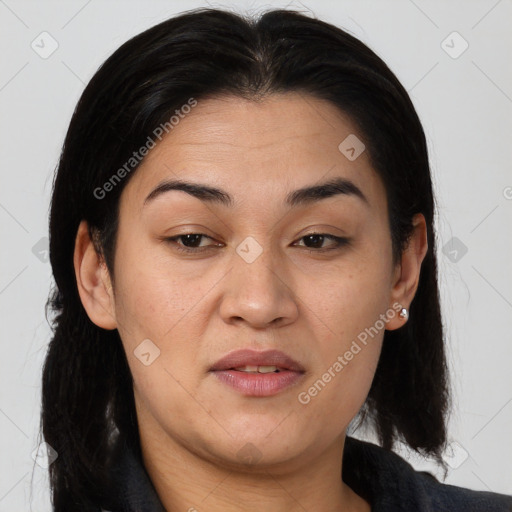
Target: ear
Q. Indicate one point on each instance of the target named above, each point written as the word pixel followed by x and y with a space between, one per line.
pixel 93 281
pixel 407 271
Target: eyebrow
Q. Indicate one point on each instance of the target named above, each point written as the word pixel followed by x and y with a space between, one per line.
pixel 300 197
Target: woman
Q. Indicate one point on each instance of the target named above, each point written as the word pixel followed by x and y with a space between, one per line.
pixel 241 235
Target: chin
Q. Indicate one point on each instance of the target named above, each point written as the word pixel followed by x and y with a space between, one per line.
pixel 260 440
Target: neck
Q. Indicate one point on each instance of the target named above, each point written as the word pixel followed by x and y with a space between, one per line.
pixel 191 479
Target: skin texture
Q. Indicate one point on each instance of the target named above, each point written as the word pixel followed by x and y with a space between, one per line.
pixel 197 308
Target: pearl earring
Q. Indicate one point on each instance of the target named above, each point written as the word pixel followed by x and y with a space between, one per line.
pixel 403 313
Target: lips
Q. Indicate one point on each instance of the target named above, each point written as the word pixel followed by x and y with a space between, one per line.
pixel 258 374
pixel 241 358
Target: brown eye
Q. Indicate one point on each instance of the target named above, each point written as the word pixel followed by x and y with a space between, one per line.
pixel 317 239
pixel 189 242
pixel 314 242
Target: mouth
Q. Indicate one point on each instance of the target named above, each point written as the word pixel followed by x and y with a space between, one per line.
pixel 259 369
pixel 258 374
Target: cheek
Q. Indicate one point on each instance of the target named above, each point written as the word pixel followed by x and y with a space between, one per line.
pixel 339 386
pixel 150 298
pixel 153 304
pixel 350 299
pixel 350 329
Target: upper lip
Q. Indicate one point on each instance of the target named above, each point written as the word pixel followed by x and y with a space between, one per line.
pixel 248 357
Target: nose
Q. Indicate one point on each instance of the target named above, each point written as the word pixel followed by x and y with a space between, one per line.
pixel 259 292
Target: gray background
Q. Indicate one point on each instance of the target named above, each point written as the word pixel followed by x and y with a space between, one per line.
pixel 464 99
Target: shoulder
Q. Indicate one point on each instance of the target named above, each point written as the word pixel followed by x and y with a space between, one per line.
pixel 451 498
pixel 390 483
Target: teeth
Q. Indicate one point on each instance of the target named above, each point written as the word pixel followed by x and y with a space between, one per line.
pixel 257 369
pixel 251 369
pixel 267 369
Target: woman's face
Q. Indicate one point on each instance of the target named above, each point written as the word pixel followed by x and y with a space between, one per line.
pixel 261 283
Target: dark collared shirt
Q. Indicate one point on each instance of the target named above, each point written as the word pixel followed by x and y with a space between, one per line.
pixel 387 481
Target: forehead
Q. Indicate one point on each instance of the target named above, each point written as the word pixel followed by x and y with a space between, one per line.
pixel 256 150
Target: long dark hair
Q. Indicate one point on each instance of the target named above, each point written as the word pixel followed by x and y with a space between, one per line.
pixel 87 391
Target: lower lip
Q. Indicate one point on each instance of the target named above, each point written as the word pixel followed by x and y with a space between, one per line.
pixel 258 384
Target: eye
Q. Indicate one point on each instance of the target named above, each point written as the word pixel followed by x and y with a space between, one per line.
pixel 319 238
pixel 189 238
pixel 190 241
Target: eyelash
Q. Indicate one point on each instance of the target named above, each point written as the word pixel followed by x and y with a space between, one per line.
pixel 339 243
